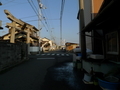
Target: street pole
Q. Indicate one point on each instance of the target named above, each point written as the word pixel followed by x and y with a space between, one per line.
pixel 39 19
pixel 39 30
pixel 82 37
pixel 0 20
pixel 1 25
pixel 0 3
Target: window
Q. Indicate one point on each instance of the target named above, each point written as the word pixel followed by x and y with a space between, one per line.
pixel 112 43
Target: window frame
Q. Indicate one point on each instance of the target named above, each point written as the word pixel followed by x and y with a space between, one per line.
pixel 112 52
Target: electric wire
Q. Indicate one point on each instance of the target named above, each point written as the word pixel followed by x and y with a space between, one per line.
pixel 21 18
pixel 39 3
pixel 48 25
pixel 37 20
pixel 36 13
pixel 41 8
pixel 33 8
pixel 34 5
pixel 44 15
pixel 9 2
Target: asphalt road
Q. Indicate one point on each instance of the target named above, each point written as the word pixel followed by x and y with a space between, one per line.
pixel 30 74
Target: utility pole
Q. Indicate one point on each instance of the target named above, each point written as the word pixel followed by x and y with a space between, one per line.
pixel 82 41
pixel 0 20
pixel 0 3
pixel 39 19
pixel 1 25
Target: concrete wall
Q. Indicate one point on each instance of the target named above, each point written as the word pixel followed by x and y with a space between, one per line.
pixel 12 54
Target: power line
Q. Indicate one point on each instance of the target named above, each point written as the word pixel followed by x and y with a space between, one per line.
pixel 28 17
pixel 37 13
pixel 33 8
pixel 37 20
pixel 34 5
pixel 21 18
pixel 42 7
pixel 46 23
pixel 9 2
pixel 32 20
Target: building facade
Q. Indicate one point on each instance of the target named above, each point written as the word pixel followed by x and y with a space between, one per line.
pixel 104 32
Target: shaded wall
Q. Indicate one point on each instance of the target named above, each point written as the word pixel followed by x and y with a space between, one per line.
pixel 12 54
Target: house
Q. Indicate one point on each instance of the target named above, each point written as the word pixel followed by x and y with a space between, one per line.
pixel 104 31
pixel 47 44
pixel 70 46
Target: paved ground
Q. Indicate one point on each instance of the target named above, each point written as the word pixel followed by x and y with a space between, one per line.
pixel 44 72
pixel 63 77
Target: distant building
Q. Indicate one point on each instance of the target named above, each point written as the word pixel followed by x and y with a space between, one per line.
pixel 47 44
pixel 70 46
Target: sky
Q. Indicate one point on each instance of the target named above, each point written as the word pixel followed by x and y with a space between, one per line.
pixel 27 10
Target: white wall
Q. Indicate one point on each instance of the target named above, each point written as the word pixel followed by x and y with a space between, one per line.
pixel 104 67
pixel 34 49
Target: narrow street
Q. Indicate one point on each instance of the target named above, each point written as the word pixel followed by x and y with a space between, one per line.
pixel 48 71
pixel 28 75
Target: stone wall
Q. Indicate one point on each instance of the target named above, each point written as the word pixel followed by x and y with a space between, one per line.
pixel 12 54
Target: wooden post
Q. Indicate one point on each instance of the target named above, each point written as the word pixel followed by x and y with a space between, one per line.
pixel 28 40
pixel 28 36
pixel 12 38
